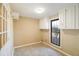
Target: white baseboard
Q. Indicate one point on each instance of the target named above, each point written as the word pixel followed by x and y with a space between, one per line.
pixel 45 44
pixel 57 49
pixel 27 44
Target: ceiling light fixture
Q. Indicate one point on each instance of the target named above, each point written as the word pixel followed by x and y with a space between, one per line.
pixel 39 10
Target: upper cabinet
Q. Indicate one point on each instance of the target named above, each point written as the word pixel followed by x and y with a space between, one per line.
pixel 44 23
pixel 77 16
pixel 69 17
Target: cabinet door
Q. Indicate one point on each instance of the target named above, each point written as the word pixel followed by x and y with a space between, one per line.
pixel 70 17
pixel 77 16
pixel 41 24
pixel 62 19
pixel 44 23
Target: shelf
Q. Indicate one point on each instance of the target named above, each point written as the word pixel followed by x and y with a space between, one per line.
pixel 0 41
pixel 0 25
pixel 4 25
pixel 0 9
pixel 4 11
pixel 2 17
pixel 4 38
pixel 3 32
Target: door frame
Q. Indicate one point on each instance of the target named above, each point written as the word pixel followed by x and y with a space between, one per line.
pixel 51 31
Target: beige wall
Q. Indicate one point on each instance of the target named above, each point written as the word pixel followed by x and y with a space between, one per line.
pixel 26 30
pixel 45 35
pixel 69 40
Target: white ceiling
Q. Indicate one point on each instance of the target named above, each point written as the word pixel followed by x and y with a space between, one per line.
pixel 27 9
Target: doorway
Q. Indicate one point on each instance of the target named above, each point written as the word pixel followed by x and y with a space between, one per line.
pixel 55 32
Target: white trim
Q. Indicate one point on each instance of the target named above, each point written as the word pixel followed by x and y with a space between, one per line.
pixel 50 32
pixel 13 52
pixel 57 49
pixel 27 44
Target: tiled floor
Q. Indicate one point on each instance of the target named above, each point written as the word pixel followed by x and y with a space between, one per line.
pixel 36 50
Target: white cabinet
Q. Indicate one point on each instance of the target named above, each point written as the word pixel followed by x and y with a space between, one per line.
pixel 77 16
pixel 69 17
pixel 44 23
pixel 62 18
